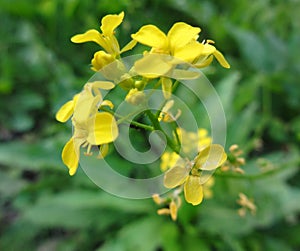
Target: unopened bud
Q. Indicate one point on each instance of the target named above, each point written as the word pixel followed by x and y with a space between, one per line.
pixel 241 161
pixel 126 82
pixel 135 97
pixel 233 148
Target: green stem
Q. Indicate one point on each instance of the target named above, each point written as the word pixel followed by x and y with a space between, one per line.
pixel 176 134
pixel 125 118
pixel 143 126
pixel 175 85
pixel 157 126
pixel 122 119
pixel 258 175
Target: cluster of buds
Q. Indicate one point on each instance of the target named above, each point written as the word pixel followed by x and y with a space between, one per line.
pixel 234 160
pixel 246 205
pixel 170 204
pixel 265 164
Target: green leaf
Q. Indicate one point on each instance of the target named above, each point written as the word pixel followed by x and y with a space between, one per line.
pixel 240 129
pixel 251 47
pixel 30 155
pixel 142 234
pixel 227 92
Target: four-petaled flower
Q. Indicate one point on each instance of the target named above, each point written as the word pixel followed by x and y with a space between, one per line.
pixel 190 173
pixel 106 39
pixel 180 43
pixel 90 126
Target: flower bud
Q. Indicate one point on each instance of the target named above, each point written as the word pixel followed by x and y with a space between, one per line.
pixel 135 97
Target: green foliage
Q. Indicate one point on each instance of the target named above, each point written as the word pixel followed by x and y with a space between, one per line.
pixel 42 208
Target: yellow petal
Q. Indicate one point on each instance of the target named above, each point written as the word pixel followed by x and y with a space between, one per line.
pixel 204 139
pixel 193 191
pixel 151 36
pixel 208 49
pixel 167 87
pixel 70 156
pixel 65 112
pixel 129 46
pixel 86 106
pixel 210 157
pixel 113 71
pixel 184 74
pixel 175 176
pixel 206 61
pixel 102 129
pixel 221 59
pixel 90 36
pixel 101 59
pixel 181 34
pixel 105 85
pixel 190 52
pixel 107 103
pixel 168 160
pixel 110 22
pixel 167 106
pixel 152 66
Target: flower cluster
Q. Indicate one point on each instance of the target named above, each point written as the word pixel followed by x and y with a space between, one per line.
pixel 91 127
pixel 246 205
pixel 191 174
pixel 234 161
pixel 170 58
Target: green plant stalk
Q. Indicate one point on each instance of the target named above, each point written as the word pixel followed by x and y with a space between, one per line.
pixel 261 175
pixel 122 119
pixel 157 126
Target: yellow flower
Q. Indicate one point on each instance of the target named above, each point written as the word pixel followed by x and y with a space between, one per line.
pixel 207 191
pixel 208 159
pixel 180 43
pixel 106 39
pixel 172 210
pixel 67 110
pixel 191 140
pixel 247 204
pixel 173 203
pixel 90 126
pixel 167 116
pixel 203 139
pixel 98 130
pixel 168 160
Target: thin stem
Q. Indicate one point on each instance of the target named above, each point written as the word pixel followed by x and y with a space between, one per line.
pixel 157 126
pixel 176 135
pixel 258 175
pixel 122 119
pixel 175 85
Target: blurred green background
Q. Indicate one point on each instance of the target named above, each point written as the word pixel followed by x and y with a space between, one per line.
pixel 43 208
